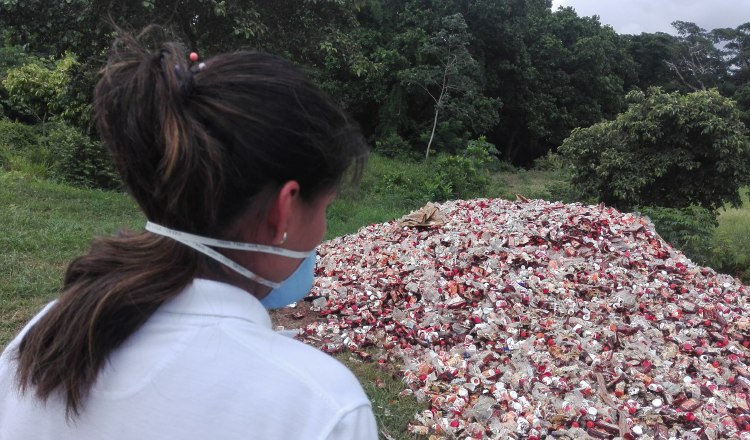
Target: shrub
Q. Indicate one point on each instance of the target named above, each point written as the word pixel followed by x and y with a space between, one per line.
pixel 441 178
pixel 666 150
pixel 392 145
pixel 481 153
pixel 463 175
pixel 79 160
pixel 404 184
pixel 40 92
pixel 688 229
pixel 20 147
pixel 504 167
pixel 560 189
pixel 551 161
pixel 17 137
pixel 11 57
pixel 448 177
pixel 460 174
pixel 437 189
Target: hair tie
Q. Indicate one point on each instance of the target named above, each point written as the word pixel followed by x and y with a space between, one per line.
pixel 185 79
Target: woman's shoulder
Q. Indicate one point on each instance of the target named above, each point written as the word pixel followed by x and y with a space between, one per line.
pixel 302 366
pixel 17 339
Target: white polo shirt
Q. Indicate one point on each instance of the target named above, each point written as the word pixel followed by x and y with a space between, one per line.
pixel 206 365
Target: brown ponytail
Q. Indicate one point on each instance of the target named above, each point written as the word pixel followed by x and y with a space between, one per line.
pixel 195 147
pixel 108 294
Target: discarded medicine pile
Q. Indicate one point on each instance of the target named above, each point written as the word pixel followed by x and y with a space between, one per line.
pixel 527 319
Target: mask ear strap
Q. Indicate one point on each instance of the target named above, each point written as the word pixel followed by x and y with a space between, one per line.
pixel 184 237
pixel 207 251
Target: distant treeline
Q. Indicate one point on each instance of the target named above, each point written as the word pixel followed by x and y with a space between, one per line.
pixel 413 73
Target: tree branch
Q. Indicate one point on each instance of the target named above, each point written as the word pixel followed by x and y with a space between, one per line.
pixel 672 66
pixel 429 93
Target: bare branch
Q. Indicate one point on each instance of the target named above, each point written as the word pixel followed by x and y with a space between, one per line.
pixel 429 93
pixel 673 67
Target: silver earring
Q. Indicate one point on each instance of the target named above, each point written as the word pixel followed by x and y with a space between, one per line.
pixel 283 238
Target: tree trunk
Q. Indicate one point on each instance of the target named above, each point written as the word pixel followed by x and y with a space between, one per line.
pixel 432 135
pixel 437 107
pixel 510 147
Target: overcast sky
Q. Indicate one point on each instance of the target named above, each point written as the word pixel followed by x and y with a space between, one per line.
pixel 636 16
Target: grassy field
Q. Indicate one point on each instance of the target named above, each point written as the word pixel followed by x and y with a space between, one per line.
pixel 45 225
pixel 731 242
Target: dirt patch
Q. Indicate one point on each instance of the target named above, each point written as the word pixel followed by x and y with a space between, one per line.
pixel 295 317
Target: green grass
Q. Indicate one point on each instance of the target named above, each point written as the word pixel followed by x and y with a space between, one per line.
pixel 731 241
pixel 389 189
pixel 532 184
pixel 44 226
pixel 392 188
pixel 381 382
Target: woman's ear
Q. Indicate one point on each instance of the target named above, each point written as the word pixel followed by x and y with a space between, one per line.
pixel 282 210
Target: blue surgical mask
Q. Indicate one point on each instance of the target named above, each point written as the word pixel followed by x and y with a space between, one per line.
pixel 283 293
pixel 294 288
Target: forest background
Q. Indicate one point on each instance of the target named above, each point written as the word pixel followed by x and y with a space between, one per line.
pixel 482 86
pixel 651 122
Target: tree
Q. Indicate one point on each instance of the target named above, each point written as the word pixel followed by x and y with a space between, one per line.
pixel 305 35
pixel 553 71
pixel 697 62
pixel 400 39
pixel 650 53
pixel 504 32
pixel 449 77
pixel 82 25
pixel 736 50
pixel 39 92
pixel 667 150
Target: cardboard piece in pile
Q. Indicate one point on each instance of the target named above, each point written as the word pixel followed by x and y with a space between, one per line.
pixel 428 216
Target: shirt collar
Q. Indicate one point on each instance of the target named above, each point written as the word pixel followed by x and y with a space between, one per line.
pixel 213 298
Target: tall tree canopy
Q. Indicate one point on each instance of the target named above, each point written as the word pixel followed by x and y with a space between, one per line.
pixel 211 26
pixel 553 71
